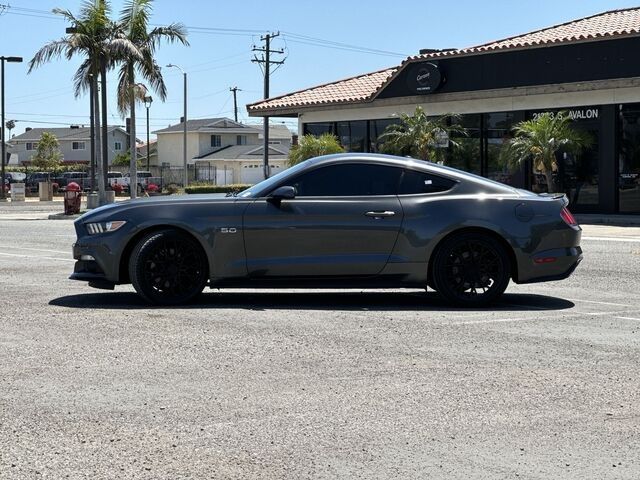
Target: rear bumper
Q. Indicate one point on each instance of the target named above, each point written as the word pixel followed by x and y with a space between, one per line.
pixel 551 265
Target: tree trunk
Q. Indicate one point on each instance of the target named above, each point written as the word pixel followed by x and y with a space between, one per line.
pixel 102 197
pixel 105 138
pixel 133 161
pixel 552 187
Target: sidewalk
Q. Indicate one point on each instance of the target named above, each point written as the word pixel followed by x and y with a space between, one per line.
pixel 618 220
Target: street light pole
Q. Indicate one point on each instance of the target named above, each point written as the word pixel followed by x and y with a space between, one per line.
pixel 184 126
pixel 148 100
pixel 3 194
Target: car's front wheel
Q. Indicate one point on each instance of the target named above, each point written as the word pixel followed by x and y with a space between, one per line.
pixel 168 267
pixel 471 269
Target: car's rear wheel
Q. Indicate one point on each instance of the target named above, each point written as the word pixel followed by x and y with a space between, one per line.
pixel 471 269
pixel 168 267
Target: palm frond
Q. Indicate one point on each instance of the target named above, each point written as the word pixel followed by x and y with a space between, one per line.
pixel 48 52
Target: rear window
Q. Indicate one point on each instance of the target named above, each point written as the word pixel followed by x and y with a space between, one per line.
pixel 414 182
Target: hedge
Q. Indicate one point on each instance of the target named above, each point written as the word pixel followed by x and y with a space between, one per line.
pixel 217 188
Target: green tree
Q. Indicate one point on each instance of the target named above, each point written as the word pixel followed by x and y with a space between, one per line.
pixel 540 139
pixel 134 25
pixel 48 156
pixel 422 137
pixel 311 146
pixel 124 160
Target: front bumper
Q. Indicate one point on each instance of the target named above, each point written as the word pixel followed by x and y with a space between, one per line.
pixel 99 272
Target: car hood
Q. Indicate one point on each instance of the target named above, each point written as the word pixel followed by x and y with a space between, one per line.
pixel 108 211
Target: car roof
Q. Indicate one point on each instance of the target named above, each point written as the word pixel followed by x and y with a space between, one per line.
pixel 412 163
pixel 473 183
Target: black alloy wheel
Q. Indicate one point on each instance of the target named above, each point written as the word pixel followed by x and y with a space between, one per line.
pixel 168 267
pixel 471 269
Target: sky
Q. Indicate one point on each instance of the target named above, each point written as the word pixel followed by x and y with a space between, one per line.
pixel 323 41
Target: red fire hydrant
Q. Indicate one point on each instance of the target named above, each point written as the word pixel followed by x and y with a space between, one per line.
pixel 72 199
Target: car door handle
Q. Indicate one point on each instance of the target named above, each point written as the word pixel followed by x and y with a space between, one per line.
pixel 384 213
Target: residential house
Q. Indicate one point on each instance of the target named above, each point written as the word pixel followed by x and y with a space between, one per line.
pixel 222 150
pixel 152 161
pixel 75 143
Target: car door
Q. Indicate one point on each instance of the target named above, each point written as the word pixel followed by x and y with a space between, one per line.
pixel 343 221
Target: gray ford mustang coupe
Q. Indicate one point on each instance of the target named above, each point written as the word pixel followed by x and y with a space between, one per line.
pixel 338 221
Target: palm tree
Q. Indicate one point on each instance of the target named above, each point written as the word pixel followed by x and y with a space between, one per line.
pixel 540 139
pixel 11 124
pixel 422 137
pixel 95 38
pixel 134 25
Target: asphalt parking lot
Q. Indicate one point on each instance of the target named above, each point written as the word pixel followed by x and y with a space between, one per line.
pixel 316 384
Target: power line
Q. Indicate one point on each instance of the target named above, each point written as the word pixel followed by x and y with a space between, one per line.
pixel 292 36
pixel 307 40
pixel 73 116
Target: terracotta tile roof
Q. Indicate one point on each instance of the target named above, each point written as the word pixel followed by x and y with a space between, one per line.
pixel 614 23
pixel 354 89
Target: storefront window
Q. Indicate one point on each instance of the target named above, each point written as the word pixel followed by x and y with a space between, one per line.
pixel 352 135
pixel 376 129
pixel 318 129
pixel 629 159
pixel 577 174
pixel 497 134
pixel 467 155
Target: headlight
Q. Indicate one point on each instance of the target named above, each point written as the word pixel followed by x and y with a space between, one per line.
pixel 104 227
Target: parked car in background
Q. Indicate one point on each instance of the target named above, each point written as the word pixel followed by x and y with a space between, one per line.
pixel 81 178
pixel 338 221
pixel 33 179
pixel 15 177
pixel 144 179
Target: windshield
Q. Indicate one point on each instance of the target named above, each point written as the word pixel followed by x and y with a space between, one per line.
pixel 269 183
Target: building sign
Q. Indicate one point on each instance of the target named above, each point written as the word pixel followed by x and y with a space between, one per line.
pixel 424 78
pixel 576 114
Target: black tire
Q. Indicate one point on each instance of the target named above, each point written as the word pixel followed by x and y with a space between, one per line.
pixel 168 267
pixel 471 269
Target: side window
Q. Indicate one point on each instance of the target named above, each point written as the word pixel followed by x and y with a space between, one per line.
pixel 348 180
pixel 420 182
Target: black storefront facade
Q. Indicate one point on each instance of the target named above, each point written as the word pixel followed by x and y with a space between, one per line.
pixel 596 82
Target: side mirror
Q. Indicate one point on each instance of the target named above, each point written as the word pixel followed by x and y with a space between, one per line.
pixel 285 192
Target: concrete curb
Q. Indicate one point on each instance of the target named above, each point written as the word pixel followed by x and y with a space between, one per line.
pixel 613 220
pixel 62 216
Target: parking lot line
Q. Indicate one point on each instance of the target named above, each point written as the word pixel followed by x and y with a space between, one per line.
pixel 65 252
pixel 600 303
pixel 630 318
pixel 36 256
pixel 521 319
pixel 613 239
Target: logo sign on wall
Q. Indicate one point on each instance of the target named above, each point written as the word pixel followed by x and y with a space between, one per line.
pixel 424 78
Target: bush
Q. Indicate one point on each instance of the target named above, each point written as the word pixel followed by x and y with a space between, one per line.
pixel 216 188
pixel 172 189
pixel 311 146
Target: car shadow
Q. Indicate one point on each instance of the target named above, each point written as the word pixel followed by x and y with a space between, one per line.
pixel 314 300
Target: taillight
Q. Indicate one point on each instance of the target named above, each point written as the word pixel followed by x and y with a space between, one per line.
pixel 568 218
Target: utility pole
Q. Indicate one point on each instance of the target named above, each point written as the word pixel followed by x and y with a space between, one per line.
pixel 235 91
pixel 4 140
pixel 265 59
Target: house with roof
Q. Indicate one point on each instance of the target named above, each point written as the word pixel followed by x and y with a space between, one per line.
pixel 75 144
pixel 586 67
pixel 222 150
